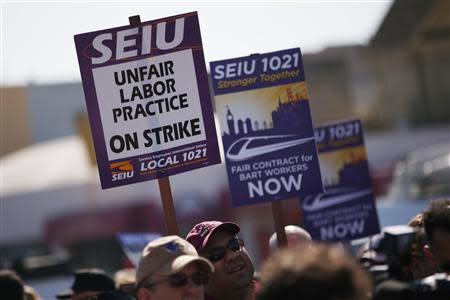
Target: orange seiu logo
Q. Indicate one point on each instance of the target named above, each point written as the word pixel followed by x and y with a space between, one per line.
pixel 122 170
pixel 121 166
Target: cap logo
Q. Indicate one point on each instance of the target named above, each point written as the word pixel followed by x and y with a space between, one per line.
pixel 174 246
pixel 203 230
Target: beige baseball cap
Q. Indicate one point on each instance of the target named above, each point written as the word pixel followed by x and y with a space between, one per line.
pixel 168 255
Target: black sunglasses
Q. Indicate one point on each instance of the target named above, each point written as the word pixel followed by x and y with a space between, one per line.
pixel 218 253
pixel 181 279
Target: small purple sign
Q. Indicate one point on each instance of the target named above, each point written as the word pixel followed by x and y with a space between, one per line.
pixel 133 243
pixel 346 210
pixel 267 132
pixel 148 99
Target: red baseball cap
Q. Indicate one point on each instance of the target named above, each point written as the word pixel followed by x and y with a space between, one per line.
pixel 200 233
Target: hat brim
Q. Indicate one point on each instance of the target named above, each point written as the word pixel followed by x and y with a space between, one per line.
pixel 66 294
pixel 182 261
pixel 231 227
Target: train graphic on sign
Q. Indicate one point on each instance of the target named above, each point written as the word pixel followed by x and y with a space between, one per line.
pixel 249 147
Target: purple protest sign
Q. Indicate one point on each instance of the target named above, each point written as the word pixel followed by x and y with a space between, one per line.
pixel 267 132
pixel 148 99
pixel 133 243
pixel 346 211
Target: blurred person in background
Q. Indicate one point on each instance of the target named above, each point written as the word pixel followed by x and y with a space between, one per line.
pixel 400 250
pixel 11 286
pixel 421 266
pixel 437 228
pixel 171 269
pixel 31 294
pixel 428 256
pixel 87 284
pixel 416 221
pixel 296 237
pixel 126 281
pixel 369 253
pixel 234 271
pixel 322 272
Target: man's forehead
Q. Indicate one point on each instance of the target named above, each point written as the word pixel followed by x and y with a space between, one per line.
pixel 191 267
pixel 219 238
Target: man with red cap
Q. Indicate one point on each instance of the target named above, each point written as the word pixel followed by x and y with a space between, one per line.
pixel 234 270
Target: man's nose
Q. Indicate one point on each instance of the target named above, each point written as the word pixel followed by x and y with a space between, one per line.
pixel 194 290
pixel 231 255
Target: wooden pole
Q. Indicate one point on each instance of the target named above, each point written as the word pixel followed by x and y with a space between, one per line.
pixel 165 191
pixel 168 208
pixel 277 210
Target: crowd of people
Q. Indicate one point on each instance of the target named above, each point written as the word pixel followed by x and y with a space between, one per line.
pixel 212 263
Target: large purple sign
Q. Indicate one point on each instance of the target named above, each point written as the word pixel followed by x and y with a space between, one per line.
pixel 267 132
pixel 148 99
pixel 346 210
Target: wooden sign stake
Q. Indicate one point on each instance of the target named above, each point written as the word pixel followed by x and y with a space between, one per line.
pixel 164 183
pixel 168 208
pixel 277 210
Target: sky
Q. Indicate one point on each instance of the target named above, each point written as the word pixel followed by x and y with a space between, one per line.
pixel 37 46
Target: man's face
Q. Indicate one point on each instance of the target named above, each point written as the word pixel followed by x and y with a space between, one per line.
pixel 234 271
pixel 440 246
pixel 166 290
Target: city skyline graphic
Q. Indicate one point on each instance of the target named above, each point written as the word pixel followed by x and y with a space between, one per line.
pixel 291 112
pixel 256 111
pixel 340 168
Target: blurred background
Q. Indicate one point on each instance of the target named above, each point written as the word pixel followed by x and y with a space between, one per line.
pixel 384 62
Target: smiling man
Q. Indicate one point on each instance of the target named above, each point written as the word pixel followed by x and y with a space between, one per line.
pixel 234 271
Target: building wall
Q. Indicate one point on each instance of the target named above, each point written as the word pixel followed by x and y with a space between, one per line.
pixel 434 72
pixel 413 88
pixel 328 88
pixel 397 85
pixel 54 109
pixel 342 84
pixel 363 86
pixel 15 130
pixel 411 56
pixel 431 44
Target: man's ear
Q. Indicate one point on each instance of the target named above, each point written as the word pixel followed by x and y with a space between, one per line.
pixel 144 294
